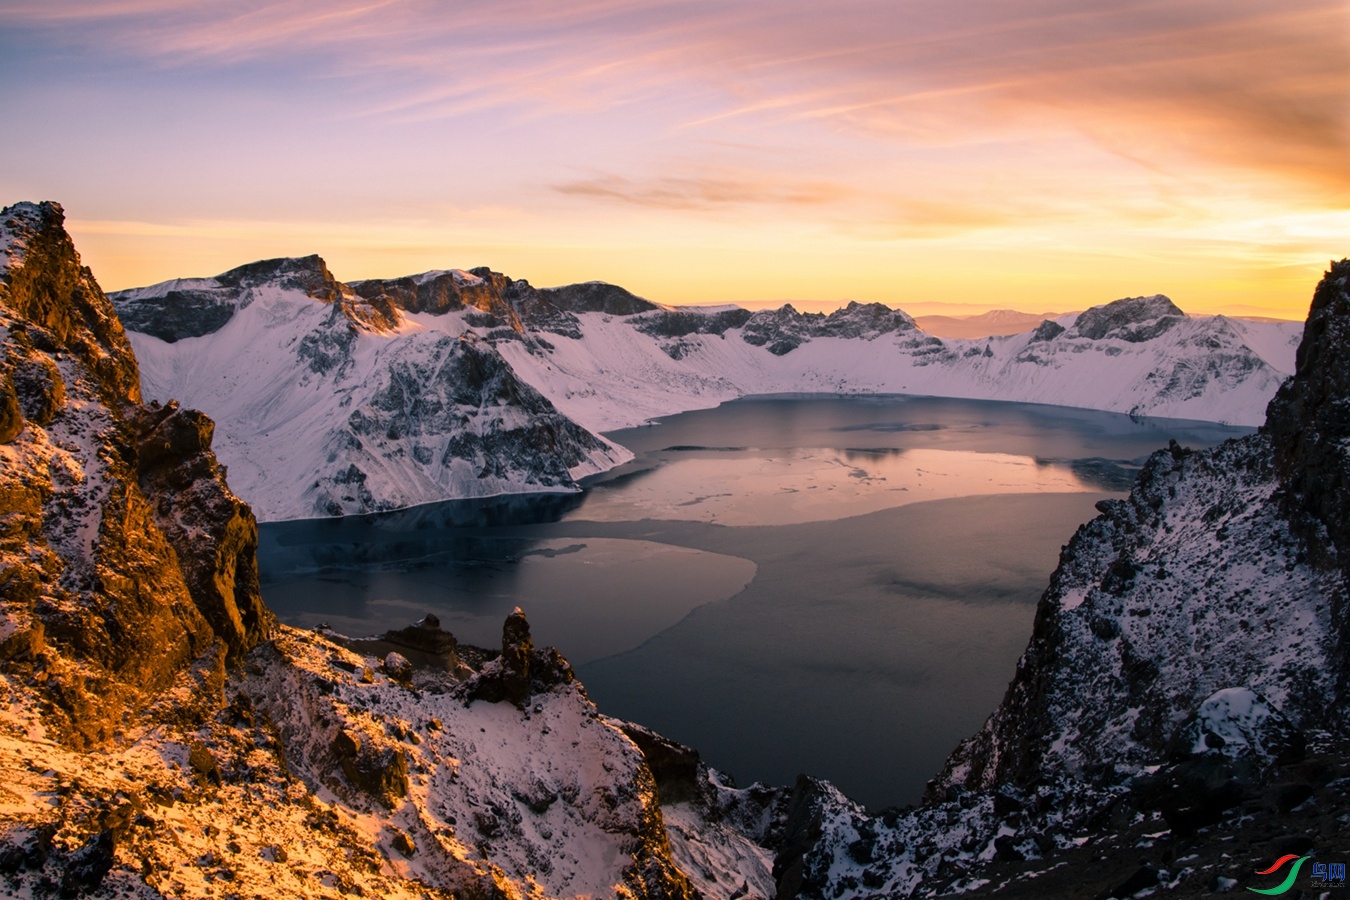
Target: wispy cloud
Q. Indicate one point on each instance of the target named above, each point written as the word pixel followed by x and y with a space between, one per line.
pixel 706 191
pixel 1243 81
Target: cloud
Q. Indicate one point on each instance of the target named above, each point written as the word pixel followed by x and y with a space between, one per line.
pixel 705 191
pixel 1243 83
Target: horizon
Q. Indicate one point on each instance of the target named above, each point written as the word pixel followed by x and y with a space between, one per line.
pixel 937 160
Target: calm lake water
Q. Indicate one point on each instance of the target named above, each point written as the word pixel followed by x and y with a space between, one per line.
pixel 833 585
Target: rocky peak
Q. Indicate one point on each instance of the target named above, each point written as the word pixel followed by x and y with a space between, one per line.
pixel 126 565
pixel 1309 419
pixel 308 274
pixel 1134 319
pixel 442 292
pixel 520 670
pixel 597 296
pixel 186 308
pixel 55 302
pixel 784 329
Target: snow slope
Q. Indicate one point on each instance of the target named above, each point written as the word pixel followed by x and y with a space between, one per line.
pixel 332 408
pixel 336 399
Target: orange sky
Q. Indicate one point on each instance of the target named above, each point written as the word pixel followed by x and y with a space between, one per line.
pixel 935 156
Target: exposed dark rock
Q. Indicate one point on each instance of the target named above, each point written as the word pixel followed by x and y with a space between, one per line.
pixel 1309 419
pixel 182 309
pixel 673 323
pixel 86 868
pixel 51 292
pixel 784 329
pixel 680 774
pixel 40 390
pixel 403 843
pixel 203 762
pixel 11 415
pixel 1135 319
pixel 377 770
pixel 429 401
pixel 596 296
pixel 212 531
pixel 801 832
pixel 1046 331
pixel 520 670
pixel 397 667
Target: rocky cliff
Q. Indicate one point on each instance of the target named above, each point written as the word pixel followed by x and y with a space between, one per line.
pixel 1184 685
pixel 127 566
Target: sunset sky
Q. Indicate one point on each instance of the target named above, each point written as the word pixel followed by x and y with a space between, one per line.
pixel 932 155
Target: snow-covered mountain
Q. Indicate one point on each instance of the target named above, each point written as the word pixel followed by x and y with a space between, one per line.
pixel 333 400
pixel 995 321
pixel 336 398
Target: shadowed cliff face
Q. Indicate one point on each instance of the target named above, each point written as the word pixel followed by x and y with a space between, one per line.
pixel 1223 570
pixel 126 565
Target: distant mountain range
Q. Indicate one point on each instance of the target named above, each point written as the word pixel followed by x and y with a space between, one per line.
pixel 985 324
pixel 341 398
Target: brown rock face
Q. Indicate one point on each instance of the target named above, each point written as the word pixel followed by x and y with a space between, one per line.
pixel 212 530
pixel 124 559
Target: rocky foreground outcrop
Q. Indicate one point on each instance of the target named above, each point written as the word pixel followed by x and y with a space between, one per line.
pixel 161 735
pixel 127 567
pixel 1177 722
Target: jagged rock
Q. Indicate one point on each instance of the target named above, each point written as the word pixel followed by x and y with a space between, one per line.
pixel 1135 319
pixel 426 636
pixel 1047 331
pixel 802 831
pixel 212 530
pixel 11 415
pixel 87 867
pixel 379 771
pixel 397 667
pixel 105 607
pixel 40 390
pixel 674 323
pixel 678 770
pixel 203 762
pixel 520 670
pixel 404 844
pixel 784 329
pixel 186 308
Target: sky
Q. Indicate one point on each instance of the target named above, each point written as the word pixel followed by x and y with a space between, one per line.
pixel 1044 155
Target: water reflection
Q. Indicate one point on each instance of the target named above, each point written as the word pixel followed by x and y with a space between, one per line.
pixel 812 484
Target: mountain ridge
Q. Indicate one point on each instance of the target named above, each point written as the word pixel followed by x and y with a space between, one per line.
pixel 605 359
